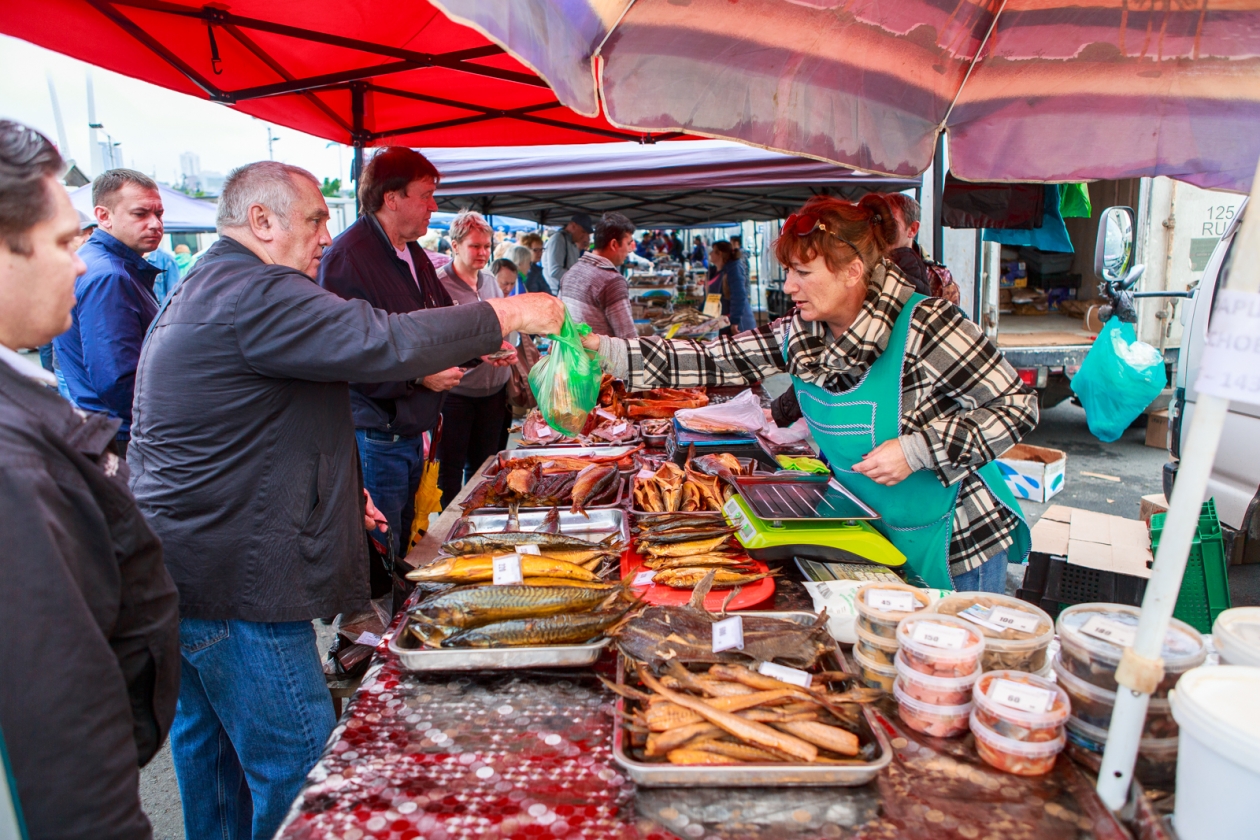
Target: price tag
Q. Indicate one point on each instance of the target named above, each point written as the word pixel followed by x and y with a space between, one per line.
pixel 527 549
pixel 712 306
pixel 1005 617
pixel 546 432
pixel 792 676
pixel 619 428
pixel 1229 353
pixel 369 639
pixel 824 590
pixel 643 578
pixel 507 570
pixel 939 635
pixel 1121 635
pixel 728 633
pixel 977 614
pixel 891 600
pixel 1029 698
pixel 605 413
pixel 644 474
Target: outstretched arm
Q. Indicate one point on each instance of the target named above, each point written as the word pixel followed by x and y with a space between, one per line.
pixel 680 363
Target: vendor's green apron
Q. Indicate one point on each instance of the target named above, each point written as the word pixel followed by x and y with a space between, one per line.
pixel 917 514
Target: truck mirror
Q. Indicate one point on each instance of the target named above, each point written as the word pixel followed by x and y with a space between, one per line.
pixel 1117 241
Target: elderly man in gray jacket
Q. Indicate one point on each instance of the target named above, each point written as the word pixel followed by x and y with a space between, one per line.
pixel 243 457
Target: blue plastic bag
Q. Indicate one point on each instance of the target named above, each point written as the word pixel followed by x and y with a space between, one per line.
pixel 1119 378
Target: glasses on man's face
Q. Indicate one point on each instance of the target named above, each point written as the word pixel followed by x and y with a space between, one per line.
pixel 803 224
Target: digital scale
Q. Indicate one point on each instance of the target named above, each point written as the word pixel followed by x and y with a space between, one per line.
pixel 799 515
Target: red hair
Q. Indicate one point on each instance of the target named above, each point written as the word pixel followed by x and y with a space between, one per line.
pixel 869 225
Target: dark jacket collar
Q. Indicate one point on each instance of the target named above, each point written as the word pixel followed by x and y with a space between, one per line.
pixel 111 245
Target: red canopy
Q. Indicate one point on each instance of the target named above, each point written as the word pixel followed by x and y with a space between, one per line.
pixel 378 72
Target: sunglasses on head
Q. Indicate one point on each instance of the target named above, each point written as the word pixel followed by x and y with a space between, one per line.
pixel 803 224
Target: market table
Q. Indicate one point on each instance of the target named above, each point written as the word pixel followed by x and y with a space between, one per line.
pixel 527 754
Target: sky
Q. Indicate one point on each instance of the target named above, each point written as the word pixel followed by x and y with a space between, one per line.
pixel 153 124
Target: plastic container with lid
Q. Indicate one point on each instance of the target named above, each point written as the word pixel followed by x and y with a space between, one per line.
pixel 875 648
pixel 1156 763
pixel 1093 705
pixel 1015 639
pixel 937 721
pixel 939 691
pixel 873 674
pixel 883 621
pixel 1022 758
pixel 1091 658
pixel 1218 768
pixel 1015 722
pixel 1236 633
pixel 940 645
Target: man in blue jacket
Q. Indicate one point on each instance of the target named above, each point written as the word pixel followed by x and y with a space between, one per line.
pixel 114 300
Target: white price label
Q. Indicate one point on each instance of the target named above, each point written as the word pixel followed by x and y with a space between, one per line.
pixel 1232 348
pixel 1007 618
pixel 977 614
pixel 546 432
pixel 507 570
pixel 527 549
pixel 369 639
pixel 939 635
pixel 824 590
pixel 728 633
pixel 792 676
pixel 644 474
pixel 619 428
pixel 891 600
pixel 643 578
pixel 1028 698
pixel 1122 635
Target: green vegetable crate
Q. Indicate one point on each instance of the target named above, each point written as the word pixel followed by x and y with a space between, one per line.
pixel 1205 587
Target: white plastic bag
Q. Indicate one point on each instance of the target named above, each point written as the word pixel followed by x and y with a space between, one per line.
pixel 742 414
pixel 782 436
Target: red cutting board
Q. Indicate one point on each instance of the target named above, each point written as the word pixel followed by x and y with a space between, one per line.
pixel 753 595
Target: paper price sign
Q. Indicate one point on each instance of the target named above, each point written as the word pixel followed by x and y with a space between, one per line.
pixel 713 306
pixel 507 570
pixel 791 676
pixel 643 579
pixel 527 549
pixel 546 432
pixel 1028 698
pixel 369 639
pixel 1007 618
pixel 728 633
pixel 939 635
pixel 1232 348
pixel 644 474
pixel 891 600
pixel 1118 634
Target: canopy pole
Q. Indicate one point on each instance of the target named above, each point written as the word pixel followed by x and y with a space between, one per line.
pixel 938 199
pixel 1198 454
pixel 358 136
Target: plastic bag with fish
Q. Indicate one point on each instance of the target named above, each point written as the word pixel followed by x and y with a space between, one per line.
pixel 566 380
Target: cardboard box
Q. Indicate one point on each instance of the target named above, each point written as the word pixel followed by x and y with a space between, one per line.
pixel 1157 429
pixel 1094 540
pixel 1033 472
pixel 1151 505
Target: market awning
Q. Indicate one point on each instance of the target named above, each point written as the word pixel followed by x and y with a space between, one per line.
pixel 662 185
pixel 371 72
pixel 180 213
pixel 1028 90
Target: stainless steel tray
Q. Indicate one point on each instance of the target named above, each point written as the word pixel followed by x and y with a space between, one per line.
pixel 599 525
pixel 653 774
pixel 414 658
pixel 566 451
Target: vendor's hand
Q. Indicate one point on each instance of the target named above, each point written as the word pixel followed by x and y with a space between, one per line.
pixel 373 519
pixel 443 380
pixel 885 464
pixel 502 361
pixel 536 313
pixel 591 341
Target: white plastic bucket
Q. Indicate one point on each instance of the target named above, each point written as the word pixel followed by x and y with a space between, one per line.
pixel 1218 763
pixel 1237 636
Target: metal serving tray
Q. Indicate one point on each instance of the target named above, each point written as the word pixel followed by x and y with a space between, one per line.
pixel 567 451
pixel 652 774
pixel 798 496
pixel 598 526
pixel 414 658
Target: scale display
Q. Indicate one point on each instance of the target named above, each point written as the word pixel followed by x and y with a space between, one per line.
pixel 799 497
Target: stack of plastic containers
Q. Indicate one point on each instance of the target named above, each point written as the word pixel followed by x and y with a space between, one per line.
pixel 1092 638
pixel 1236 633
pixel 880 607
pixel 1017 634
pixel 937 662
pixel 1018 719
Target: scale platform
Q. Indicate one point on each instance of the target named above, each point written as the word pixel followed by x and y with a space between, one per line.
pixel 784 516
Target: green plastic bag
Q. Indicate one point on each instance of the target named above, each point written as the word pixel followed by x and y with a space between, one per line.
pixel 566 381
pixel 1119 378
pixel 1074 201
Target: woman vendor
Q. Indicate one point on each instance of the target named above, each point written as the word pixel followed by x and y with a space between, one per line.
pixel 906 397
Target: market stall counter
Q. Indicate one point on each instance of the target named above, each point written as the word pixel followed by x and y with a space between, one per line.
pixel 529 753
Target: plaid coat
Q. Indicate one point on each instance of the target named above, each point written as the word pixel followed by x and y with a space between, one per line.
pixel 959 395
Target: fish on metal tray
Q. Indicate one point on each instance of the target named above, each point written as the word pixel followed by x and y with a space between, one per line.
pixel 497 540
pixel 475 606
pixel 479 568
pixel 590 483
pixel 551 630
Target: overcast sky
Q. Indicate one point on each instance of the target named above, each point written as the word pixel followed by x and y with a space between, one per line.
pixel 153 124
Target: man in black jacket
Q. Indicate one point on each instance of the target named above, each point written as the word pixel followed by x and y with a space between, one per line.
pixel 377 259
pixel 243 457
pixel 89 613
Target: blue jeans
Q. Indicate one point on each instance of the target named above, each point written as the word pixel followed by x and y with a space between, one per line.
pixel 989 576
pixel 254 714
pixel 391 473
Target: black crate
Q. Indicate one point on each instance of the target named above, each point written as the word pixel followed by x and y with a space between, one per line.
pixel 1069 584
pixel 1036 573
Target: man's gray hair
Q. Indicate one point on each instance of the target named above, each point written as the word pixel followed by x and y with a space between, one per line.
pixel 906 206
pixel 468 222
pixel 268 183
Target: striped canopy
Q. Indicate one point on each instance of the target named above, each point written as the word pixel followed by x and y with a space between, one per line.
pixel 1027 90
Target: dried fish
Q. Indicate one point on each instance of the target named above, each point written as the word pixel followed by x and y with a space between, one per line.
pixel 505 540
pixel 478 568
pixel 474 606
pixel 551 630
pixel 590 482
pixel 689 578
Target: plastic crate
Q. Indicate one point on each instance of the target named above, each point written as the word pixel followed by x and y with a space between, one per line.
pixel 1205 586
pixel 1068 584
